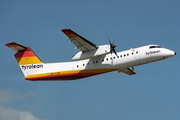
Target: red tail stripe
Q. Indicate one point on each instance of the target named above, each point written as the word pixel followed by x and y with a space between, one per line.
pixel 27 53
pixel 64 76
pixel 67 31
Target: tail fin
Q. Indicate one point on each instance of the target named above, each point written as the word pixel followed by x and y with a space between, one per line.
pixel 26 58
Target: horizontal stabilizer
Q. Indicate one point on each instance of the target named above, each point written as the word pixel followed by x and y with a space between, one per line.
pixel 16 47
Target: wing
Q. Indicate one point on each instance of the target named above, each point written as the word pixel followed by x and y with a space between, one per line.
pixel 127 71
pixel 81 43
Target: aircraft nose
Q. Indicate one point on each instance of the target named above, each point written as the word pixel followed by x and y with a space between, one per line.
pixel 169 53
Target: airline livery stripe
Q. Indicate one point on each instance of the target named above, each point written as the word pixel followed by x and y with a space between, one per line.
pixel 67 31
pixel 27 53
pixel 71 76
pixel 72 35
pixel 28 60
pixel 68 74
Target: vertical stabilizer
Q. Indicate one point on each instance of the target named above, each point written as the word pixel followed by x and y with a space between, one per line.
pixel 26 58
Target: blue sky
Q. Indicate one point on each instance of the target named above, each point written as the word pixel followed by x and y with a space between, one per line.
pixel 151 94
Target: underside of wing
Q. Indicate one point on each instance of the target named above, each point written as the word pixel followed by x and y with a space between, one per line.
pixel 81 43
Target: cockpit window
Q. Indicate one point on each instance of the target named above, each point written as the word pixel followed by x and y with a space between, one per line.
pixel 155 47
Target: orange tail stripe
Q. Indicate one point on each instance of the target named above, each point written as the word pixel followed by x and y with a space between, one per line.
pixel 27 57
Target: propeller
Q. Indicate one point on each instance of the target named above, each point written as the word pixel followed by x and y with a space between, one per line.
pixel 112 49
pixel 133 69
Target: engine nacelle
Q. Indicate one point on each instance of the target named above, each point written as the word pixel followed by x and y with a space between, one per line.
pixel 102 50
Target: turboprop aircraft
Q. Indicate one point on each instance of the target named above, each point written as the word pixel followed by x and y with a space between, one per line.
pixel 91 60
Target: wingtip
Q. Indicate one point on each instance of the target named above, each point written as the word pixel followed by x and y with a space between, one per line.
pixel 65 29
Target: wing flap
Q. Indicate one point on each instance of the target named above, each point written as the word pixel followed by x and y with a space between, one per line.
pixel 81 43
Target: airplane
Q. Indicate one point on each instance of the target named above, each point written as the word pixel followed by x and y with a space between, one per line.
pixel 91 60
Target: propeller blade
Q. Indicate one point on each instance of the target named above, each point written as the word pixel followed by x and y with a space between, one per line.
pixel 115 52
pixel 112 47
pixel 132 68
pixel 110 42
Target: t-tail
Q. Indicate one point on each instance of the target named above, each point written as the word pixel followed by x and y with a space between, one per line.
pixel 27 59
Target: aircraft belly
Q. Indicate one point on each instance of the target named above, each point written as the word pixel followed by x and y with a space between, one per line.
pixel 67 75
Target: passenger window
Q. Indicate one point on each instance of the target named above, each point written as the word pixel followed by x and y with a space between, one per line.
pixel 128 54
pixel 77 65
pixel 96 61
pixel 114 57
pixel 107 59
pixel 136 52
pixel 124 55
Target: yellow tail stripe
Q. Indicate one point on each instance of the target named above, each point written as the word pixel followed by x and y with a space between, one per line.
pixel 28 60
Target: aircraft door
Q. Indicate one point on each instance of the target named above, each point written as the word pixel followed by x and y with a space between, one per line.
pixel 137 54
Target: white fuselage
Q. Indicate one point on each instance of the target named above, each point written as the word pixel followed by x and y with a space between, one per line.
pixel 109 62
pixel 125 59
